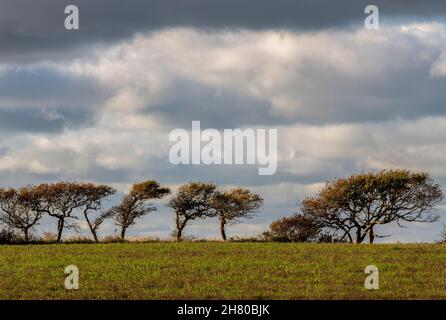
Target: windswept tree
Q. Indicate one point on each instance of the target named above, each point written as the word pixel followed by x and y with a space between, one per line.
pixel 354 206
pixel 193 200
pixel 17 210
pixel 59 200
pixel 136 204
pixel 233 205
pixel 93 195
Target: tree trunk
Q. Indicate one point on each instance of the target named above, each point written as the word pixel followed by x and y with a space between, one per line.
pixel 222 229
pixel 180 227
pixel 93 232
pixel 123 230
pixel 179 234
pixel 180 231
pixel 371 235
pixel 359 236
pixel 26 234
pixel 60 225
pixel 350 238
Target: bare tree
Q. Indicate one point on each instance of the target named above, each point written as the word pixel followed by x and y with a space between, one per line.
pixel 135 204
pixel 233 205
pixel 93 195
pixel 193 200
pixel 356 205
pixel 17 211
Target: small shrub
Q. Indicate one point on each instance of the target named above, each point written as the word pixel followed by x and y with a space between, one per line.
pixel 8 236
pixel 49 237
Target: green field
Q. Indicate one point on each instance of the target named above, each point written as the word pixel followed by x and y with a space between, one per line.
pixel 212 270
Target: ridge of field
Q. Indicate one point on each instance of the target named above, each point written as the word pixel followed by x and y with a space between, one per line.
pixel 217 270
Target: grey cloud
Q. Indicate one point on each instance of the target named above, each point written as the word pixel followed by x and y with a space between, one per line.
pixel 30 120
pixel 332 77
pixel 324 97
pixel 47 100
pixel 16 178
pixel 20 177
pixel 214 107
pixel 407 94
pixel 34 30
pixel 246 175
pixel 35 84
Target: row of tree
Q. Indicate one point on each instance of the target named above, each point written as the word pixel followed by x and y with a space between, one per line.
pixel 344 210
pixel 22 208
pixel 349 210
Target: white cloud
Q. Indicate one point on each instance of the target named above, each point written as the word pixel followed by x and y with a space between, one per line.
pixel 418 145
pixel 300 75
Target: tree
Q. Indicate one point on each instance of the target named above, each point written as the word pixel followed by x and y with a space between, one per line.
pixel 59 200
pixel 135 204
pixel 296 228
pixel 356 205
pixel 92 202
pixel 193 200
pixel 17 211
pixel 233 205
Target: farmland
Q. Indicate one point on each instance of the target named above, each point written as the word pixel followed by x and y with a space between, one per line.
pixel 216 270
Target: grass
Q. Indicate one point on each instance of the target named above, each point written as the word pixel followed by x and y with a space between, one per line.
pixel 213 270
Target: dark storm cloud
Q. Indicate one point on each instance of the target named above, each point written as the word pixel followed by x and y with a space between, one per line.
pixel 34 30
pixel 26 120
pixel 35 84
pixel 44 100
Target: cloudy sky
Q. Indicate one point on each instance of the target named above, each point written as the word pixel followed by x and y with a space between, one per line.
pixel 98 103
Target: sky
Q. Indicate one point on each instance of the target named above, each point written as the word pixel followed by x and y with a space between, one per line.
pixel 97 104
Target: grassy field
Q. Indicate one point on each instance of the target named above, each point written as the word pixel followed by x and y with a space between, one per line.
pixel 211 270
